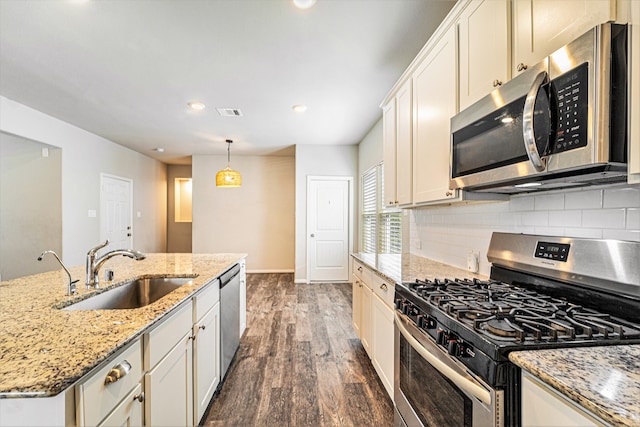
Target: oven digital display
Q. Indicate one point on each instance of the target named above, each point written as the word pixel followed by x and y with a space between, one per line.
pixel 553 251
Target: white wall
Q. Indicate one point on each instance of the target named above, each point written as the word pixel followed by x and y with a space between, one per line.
pixel 30 206
pixel 370 150
pixel 84 157
pixel 448 234
pixel 257 218
pixel 318 160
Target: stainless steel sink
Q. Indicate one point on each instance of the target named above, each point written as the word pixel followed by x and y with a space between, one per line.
pixel 134 294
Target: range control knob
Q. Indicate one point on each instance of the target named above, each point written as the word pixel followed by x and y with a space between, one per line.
pixel 399 304
pixel 453 347
pixel 441 337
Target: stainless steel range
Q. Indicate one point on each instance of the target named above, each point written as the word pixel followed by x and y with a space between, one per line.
pixel 453 335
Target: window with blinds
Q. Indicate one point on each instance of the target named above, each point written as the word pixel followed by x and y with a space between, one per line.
pixel 381 228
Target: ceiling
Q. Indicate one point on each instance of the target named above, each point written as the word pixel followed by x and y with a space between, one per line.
pixel 126 69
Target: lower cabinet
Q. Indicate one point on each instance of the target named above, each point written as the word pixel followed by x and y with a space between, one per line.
pixel 373 320
pixel 128 412
pixel 113 392
pixel 544 407
pixel 168 383
pixel 206 363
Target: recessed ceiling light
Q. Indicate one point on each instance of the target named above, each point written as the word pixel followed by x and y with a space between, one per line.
pixel 196 105
pixel 159 149
pixel 303 4
pixel 299 108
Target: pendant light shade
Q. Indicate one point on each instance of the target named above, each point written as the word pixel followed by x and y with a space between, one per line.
pixel 228 177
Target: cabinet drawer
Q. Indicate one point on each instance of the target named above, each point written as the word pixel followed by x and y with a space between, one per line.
pixel 165 336
pixel 96 399
pixel 362 272
pixel 384 289
pixel 206 298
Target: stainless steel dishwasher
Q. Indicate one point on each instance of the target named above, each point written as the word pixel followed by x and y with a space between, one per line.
pixel 229 316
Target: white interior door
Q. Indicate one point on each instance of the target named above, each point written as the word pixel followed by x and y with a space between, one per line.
pixel 328 228
pixel 116 215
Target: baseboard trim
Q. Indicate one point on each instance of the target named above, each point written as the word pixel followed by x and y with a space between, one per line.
pixel 270 271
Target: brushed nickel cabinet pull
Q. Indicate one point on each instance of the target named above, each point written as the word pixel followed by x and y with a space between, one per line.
pixel 448 193
pixel 203 327
pixel 139 397
pixel 117 372
pixel 497 83
pixel 521 67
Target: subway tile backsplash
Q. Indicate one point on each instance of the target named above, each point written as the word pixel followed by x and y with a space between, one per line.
pixel 448 234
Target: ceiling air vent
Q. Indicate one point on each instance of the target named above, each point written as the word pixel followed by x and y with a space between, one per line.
pixel 229 112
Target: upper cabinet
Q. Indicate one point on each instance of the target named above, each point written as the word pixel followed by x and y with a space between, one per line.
pixel 484 49
pixel 404 122
pixel 397 143
pixel 389 139
pixel 434 102
pixel 540 27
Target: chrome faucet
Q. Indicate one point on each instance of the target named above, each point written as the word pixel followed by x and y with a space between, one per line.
pixel 94 263
pixel 71 287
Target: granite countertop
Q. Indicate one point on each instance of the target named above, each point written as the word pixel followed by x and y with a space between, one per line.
pixel 603 380
pixel 44 350
pixel 408 267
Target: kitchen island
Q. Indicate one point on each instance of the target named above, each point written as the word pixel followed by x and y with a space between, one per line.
pixel 45 350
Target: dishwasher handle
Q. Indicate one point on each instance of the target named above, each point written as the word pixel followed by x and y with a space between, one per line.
pixel 228 275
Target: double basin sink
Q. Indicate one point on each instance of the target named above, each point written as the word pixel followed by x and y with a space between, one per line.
pixel 132 294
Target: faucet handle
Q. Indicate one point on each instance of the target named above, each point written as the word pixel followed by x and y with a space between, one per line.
pixel 92 251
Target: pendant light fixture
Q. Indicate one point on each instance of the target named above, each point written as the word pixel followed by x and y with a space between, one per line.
pixel 228 177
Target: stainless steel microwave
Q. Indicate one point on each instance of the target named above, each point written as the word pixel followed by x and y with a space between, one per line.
pixel 561 123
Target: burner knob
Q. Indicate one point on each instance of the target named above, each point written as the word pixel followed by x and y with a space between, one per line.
pixel 399 304
pixel 441 337
pixel 453 348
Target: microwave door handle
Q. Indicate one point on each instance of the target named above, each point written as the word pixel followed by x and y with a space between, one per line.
pixel 527 123
pixel 461 381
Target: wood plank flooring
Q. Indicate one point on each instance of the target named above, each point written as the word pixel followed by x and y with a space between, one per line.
pixel 299 363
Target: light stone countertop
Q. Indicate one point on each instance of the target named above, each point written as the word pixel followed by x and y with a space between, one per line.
pixel 44 350
pixel 603 380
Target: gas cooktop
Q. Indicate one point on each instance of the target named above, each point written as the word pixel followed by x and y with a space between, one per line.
pixel 504 313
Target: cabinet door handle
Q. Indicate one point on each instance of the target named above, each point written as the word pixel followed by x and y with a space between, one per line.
pixel 449 193
pixel 384 287
pixel 139 397
pixel 203 327
pixel 521 66
pixel 360 269
pixel 497 83
pixel 117 372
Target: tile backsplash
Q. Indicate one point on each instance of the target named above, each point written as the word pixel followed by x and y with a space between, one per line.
pixel 448 234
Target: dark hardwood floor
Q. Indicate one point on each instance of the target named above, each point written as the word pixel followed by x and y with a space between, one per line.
pixel 299 363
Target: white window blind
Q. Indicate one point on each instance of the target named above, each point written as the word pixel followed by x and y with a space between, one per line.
pixel 381 227
pixel 369 210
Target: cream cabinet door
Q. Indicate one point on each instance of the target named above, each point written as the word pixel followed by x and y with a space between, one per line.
pixel 128 412
pixel 544 407
pixel 206 360
pixel 383 350
pixel 434 92
pixel 540 27
pixel 356 305
pixel 483 49
pixel 404 121
pixel 366 327
pixel 169 388
pixel 389 146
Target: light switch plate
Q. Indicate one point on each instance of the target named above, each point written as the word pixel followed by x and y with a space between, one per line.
pixel 92 213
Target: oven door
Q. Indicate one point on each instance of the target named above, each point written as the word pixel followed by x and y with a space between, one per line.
pixel 433 389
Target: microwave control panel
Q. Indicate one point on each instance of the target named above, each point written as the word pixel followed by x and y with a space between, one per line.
pixel 572 95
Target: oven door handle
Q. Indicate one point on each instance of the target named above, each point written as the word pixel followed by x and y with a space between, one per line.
pixel 461 381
